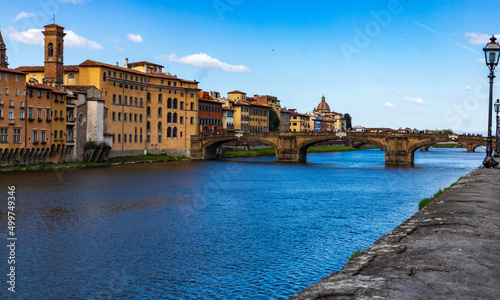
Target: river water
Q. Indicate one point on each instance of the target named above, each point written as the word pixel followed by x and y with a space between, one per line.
pixel 243 228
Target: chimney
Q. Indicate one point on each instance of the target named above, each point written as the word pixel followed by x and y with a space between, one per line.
pixel 117 64
pixel 126 62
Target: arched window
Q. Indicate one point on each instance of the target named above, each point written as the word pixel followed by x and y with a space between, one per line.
pixel 160 98
pixel 148 112
pixel 59 50
pixel 174 132
pixel 169 132
pixel 169 103
pixel 175 103
pixel 160 127
pixel 159 112
pixel 148 98
pixel 175 118
pixel 50 51
pixel 71 76
pixel 169 117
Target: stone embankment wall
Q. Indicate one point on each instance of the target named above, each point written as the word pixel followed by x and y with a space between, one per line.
pixel 448 250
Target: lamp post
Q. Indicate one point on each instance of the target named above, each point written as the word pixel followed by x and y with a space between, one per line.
pixel 497 147
pixel 491 55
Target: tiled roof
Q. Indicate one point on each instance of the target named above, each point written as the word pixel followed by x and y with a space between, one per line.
pixel 142 63
pixel 81 88
pixel 11 70
pixel 46 87
pixel 27 69
pixel 92 63
pixel 237 92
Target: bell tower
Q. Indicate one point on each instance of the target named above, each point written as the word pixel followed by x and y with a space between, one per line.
pixel 3 53
pixel 54 55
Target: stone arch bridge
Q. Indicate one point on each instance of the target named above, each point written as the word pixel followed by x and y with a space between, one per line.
pixel 399 148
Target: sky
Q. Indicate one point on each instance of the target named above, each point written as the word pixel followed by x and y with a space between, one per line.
pixel 387 63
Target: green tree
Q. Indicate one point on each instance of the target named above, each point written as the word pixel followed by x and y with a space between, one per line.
pixel 274 120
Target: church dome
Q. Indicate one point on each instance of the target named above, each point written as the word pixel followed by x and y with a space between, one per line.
pixel 323 107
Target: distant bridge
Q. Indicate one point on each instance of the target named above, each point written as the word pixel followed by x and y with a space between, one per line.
pixel 399 148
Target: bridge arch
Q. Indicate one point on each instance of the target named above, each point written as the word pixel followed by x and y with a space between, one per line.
pixel 209 148
pixel 302 147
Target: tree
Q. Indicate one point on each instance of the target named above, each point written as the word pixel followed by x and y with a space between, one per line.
pixel 274 121
pixel 348 121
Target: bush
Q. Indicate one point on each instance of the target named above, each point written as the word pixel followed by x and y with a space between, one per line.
pixel 90 145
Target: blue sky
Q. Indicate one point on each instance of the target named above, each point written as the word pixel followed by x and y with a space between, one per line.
pixel 387 63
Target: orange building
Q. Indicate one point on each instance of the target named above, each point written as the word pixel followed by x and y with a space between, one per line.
pixel 209 114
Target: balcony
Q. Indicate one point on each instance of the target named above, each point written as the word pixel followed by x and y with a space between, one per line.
pixel 12 121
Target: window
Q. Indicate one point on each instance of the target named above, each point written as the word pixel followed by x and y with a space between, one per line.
pixel 39 94
pixel 181 120
pixel 169 132
pixel 124 138
pixel 17 135
pixel 182 104
pixel 60 134
pixel 35 135
pixel 119 117
pixel 1 112
pixel 17 91
pixel 192 121
pixel 159 112
pixel 119 138
pixel 160 127
pixel 47 113
pixel 169 117
pixel 148 112
pixel 119 99
pixel 11 114
pixel 47 95
pixel 125 100
pixel 4 136
pixel 140 102
pixel 21 114
pixel 140 118
pixel 174 132
pixel 175 103
pixel 114 98
pixel 11 103
pixel 159 139
pixel 174 118
pixel 6 91
pixel 192 105
pixel 160 99
pixel 135 118
pixel 42 135
pixel 39 113
pixel 30 112
pixel 148 126
pixel 135 102
pixel 125 117
pixel 72 76
pixel 169 103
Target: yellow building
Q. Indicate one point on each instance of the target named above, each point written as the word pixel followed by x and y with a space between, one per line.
pixel 299 122
pixel 259 118
pixel 12 109
pixel 241 116
pixel 147 110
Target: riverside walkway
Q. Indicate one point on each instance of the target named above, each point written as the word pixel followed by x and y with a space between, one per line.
pixel 448 250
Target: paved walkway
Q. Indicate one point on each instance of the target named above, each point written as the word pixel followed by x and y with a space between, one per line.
pixel 448 250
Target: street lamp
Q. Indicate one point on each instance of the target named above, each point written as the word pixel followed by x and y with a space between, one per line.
pixel 497 147
pixel 491 55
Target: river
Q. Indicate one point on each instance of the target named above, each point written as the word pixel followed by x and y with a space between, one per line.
pixel 242 228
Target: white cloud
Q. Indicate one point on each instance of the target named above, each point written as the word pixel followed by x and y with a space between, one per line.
pixel 468 88
pixel 31 36
pixel 23 15
pixel 35 37
pixel 72 40
pixel 417 100
pixel 120 49
pixel 389 104
pixel 136 38
pixel 476 38
pixel 205 61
